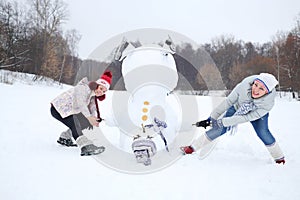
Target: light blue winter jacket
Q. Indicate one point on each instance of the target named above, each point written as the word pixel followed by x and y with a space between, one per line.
pixel 240 94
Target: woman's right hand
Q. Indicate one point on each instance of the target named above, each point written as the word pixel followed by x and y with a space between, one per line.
pixel 204 123
pixel 93 121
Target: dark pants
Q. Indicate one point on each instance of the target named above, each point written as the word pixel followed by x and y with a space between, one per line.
pixel 76 122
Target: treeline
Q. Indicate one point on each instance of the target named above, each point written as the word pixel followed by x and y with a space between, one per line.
pixel 32 40
pixel 281 57
pixel 236 59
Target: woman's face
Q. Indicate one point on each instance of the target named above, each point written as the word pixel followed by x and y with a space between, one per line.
pixel 258 89
pixel 100 90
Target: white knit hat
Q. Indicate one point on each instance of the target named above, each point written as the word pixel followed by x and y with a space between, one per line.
pixel 268 80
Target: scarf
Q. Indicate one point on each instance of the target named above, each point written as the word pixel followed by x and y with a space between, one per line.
pixel 100 98
pixel 245 108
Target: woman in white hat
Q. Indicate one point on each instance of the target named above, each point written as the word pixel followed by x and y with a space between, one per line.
pixel 77 108
pixel 250 101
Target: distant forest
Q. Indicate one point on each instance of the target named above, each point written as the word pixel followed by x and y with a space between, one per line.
pixel 32 41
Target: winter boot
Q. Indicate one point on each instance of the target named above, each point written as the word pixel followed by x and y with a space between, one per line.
pixel 87 147
pixel 280 160
pixel 91 149
pixel 197 144
pixel 276 153
pixel 187 149
pixel 66 142
pixel 65 139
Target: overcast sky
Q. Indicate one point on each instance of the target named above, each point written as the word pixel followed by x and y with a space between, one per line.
pixel 200 20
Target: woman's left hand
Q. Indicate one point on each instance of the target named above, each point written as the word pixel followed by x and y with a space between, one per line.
pixel 217 124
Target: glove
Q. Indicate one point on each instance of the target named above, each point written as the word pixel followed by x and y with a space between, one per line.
pixel 203 123
pixel 99 120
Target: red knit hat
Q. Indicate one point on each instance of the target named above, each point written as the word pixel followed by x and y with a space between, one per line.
pixel 105 79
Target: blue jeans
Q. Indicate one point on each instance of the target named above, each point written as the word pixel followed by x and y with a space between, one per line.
pixel 260 126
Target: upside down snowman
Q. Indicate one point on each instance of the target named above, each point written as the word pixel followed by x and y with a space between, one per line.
pixel 150 114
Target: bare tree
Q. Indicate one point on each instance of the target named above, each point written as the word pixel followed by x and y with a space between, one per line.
pixel 73 37
pixel 69 47
pixel 278 43
pixel 47 17
pixel 237 73
pixel 226 52
pixel 296 68
pixel 13 51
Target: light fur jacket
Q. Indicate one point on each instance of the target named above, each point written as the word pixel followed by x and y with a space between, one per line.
pixel 239 95
pixel 75 100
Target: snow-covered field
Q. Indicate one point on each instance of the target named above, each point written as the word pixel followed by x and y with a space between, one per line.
pixel 35 167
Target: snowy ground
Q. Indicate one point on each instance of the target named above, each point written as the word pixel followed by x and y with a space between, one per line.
pixel 34 166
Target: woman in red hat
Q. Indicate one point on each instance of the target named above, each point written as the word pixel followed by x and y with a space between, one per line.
pixel 77 108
